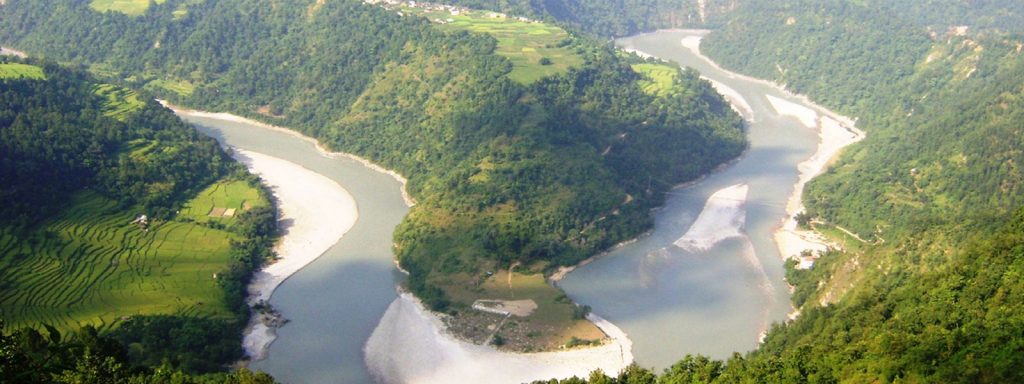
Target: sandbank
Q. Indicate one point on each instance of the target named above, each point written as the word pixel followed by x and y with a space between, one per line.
pixel 323 150
pixel 411 345
pixel 723 217
pixel 4 51
pixel 735 99
pixel 318 212
pixel 808 117
pixel 835 132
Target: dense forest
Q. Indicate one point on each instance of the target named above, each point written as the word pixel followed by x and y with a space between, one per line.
pixel 550 171
pixel 68 146
pixel 89 357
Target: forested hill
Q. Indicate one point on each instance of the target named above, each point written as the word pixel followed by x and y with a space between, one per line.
pixel 106 225
pixel 931 291
pixel 62 132
pixel 542 172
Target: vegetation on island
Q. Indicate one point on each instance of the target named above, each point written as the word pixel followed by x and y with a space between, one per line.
pixel 102 225
pixel 511 160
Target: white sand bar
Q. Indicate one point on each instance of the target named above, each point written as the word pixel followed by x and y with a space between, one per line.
pixel 315 211
pixel 723 217
pixel 4 51
pixel 410 345
pixel 735 99
pixel 790 239
pixel 807 116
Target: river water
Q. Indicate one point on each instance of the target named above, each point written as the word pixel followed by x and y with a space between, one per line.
pixel 673 301
pixel 669 300
pixel 334 303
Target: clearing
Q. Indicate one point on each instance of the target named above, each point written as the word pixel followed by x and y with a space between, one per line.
pixel 536 49
pixel 18 70
pixel 523 310
pixel 657 78
pixel 221 202
pixel 128 7
pixel 119 101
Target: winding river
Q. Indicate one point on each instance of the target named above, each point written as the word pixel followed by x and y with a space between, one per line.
pixel 675 300
pixel 673 294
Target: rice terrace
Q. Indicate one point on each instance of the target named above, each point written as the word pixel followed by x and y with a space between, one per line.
pixel 96 263
pixel 536 50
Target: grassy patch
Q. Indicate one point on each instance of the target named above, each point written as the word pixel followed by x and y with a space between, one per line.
pixel 222 202
pixel 536 50
pixel 90 265
pixel 128 7
pixel 182 88
pixel 18 70
pixel 552 325
pixel 119 101
pixel 658 78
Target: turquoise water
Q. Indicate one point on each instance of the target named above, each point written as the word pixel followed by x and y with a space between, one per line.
pixel 673 302
pixel 334 303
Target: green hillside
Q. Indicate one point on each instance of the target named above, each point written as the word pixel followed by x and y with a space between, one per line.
pixel 90 265
pixel 93 179
pixel 935 294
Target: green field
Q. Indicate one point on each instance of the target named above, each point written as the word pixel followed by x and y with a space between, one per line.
pixel 551 326
pixel 17 70
pixel 182 88
pixel 91 265
pixel 119 101
pixel 128 7
pixel 216 202
pixel 658 78
pixel 524 43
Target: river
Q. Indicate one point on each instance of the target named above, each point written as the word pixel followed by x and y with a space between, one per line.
pixel 673 301
pixel 334 303
pixel 670 300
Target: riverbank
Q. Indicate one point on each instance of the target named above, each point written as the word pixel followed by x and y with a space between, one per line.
pixel 409 201
pixel 835 132
pixel 314 213
pixel 411 345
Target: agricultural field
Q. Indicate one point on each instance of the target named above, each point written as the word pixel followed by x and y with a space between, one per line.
pixel 222 202
pixel 658 78
pixel 556 321
pixel 119 101
pixel 128 7
pixel 18 70
pixel 536 49
pixel 182 88
pixel 93 265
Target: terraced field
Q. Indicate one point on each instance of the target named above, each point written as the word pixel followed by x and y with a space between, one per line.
pixel 18 70
pixel 120 101
pixel 129 7
pixel 92 265
pixel 536 49
pixel 658 78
